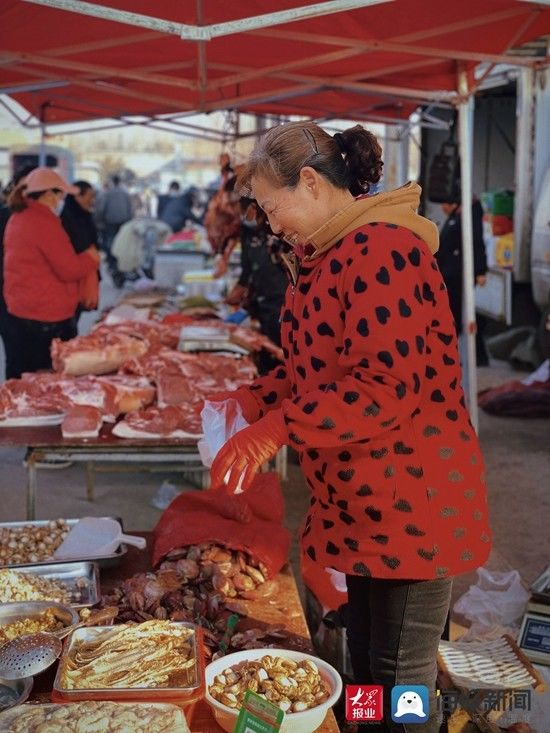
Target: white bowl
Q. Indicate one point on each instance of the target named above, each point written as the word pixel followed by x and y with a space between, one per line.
pixel 304 722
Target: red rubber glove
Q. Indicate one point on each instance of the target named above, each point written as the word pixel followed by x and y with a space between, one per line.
pixel 249 406
pixel 246 452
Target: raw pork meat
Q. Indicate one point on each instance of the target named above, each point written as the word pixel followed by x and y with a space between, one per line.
pixel 101 352
pixel 130 393
pixel 182 421
pixel 82 421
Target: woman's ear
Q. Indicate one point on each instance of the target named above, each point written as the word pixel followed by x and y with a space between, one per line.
pixel 310 179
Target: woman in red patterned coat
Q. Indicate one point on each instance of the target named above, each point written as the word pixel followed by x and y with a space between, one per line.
pixel 370 396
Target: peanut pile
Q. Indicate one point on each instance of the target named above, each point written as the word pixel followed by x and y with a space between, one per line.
pixel 29 543
pixel 17 586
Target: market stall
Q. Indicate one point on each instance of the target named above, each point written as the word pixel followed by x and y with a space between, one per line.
pixel 128 395
pixel 229 597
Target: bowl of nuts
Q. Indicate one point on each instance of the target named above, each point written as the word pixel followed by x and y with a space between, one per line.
pixel 302 685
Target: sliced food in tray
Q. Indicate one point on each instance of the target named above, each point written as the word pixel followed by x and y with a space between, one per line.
pixel 156 659
pixel 99 716
pixel 75 584
pixel 35 542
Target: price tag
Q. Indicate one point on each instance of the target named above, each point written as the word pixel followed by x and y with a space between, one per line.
pixel 258 715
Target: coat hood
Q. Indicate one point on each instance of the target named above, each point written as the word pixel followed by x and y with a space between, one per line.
pixel 391 207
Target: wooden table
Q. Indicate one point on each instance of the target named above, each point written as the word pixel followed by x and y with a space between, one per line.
pixel 283 609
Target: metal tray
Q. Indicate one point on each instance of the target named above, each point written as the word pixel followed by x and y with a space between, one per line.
pixel 104 561
pixel 69 574
pixel 181 695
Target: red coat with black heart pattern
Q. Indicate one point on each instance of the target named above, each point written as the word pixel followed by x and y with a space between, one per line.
pixel 372 398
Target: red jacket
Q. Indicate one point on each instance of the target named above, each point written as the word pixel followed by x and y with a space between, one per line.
pixel 41 269
pixel 372 398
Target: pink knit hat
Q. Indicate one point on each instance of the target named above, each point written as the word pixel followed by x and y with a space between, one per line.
pixel 44 179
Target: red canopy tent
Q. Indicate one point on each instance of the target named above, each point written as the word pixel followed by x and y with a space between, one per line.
pixel 362 59
pixel 138 61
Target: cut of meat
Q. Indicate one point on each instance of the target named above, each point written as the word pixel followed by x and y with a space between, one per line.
pixel 82 421
pixel 101 352
pixel 174 389
pixel 130 393
pixel 31 396
pixel 181 421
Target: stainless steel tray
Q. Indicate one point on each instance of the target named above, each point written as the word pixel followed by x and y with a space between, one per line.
pixel 80 578
pixel 103 560
pixel 185 693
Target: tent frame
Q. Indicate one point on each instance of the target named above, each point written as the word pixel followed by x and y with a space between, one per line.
pixel 293 84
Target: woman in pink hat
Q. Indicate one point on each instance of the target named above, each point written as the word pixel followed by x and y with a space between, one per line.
pixel 41 270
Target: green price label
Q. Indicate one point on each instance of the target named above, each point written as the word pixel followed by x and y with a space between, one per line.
pixel 258 715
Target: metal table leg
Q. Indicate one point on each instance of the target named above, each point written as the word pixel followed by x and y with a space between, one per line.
pixel 90 480
pixel 32 480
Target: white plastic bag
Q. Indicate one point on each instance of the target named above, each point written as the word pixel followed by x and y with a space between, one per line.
pixel 498 598
pixel 220 421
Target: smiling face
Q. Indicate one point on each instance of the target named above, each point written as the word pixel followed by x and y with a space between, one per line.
pixel 295 213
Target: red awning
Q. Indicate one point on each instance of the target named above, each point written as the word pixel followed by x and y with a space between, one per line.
pixel 373 62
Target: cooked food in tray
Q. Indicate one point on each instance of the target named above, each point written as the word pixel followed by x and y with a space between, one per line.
pixel 46 620
pixel 19 586
pixel 96 716
pixel 151 654
pixel 29 543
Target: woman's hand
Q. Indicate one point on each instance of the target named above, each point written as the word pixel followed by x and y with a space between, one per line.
pixel 249 406
pixel 246 452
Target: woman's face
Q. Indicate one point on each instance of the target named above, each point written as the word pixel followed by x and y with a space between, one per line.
pixel 293 214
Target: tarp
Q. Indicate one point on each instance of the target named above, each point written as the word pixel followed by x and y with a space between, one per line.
pixel 378 61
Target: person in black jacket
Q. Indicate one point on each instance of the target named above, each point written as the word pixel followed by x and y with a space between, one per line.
pixel 78 221
pixel 263 281
pixel 449 259
pixel 176 208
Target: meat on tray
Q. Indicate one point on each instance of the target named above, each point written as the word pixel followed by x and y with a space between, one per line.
pixel 30 397
pixel 44 393
pixel 181 421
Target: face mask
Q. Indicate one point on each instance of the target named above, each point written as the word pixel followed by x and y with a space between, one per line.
pixel 58 208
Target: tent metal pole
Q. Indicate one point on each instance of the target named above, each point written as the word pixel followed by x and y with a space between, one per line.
pixel 42 148
pixel 465 132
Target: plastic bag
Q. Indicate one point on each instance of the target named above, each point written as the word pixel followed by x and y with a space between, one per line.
pixel 220 421
pixel 498 598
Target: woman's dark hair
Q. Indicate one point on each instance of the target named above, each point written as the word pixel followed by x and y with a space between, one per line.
pixel 82 186
pixel 14 193
pixel 17 198
pixel 352 159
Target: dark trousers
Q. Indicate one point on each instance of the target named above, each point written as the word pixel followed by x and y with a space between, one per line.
pixel 394 628
pixel 10 341
pixel 109 233
pixel 30 341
